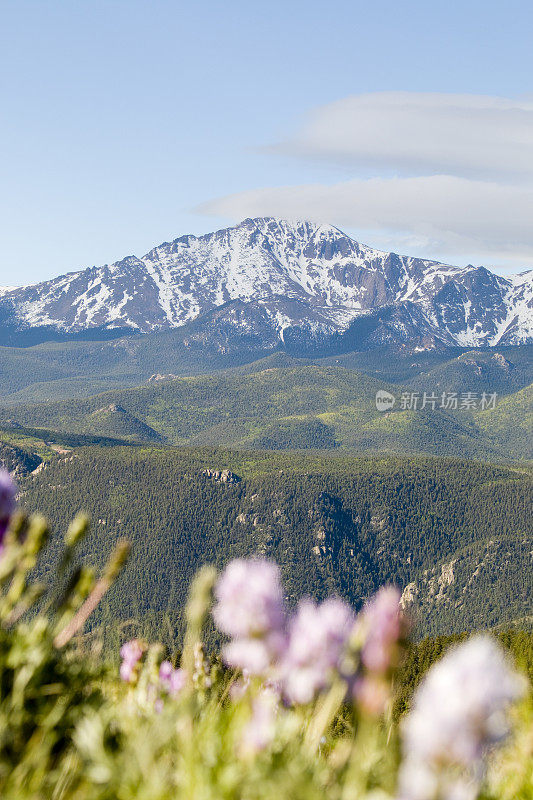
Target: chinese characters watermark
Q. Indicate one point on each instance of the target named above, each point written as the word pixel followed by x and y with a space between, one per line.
pixel 446 401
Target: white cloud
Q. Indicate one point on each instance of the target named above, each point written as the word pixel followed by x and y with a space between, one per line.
pixel 455 174
pixel 441 213
pixel 413 133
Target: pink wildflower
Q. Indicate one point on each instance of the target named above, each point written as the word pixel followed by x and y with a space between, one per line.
pixel 383 623
pixel 250 609
pixel 8 495
pixel 259 732
pixel 318 635
pixel 250 600
pixel 172 680
pixel 131 653
pixel 459 711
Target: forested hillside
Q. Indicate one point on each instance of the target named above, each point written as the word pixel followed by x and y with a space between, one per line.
pixel 282 408
pixel 510 422
pixel 61 369
pixel 455 535
pixel 17 460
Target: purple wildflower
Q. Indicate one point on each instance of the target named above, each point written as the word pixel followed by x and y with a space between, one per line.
pixel 250 600
pixel 250 609
pixel 131 653
pixel 8 502
pixel 372 693
pixel 165 671
pixel 458 711
pixel 318 635
pixel 383 623
pixel 255 656
pixel 381 627
pixel 172 680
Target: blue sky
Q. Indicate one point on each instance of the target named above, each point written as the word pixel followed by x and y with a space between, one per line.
pixel 126 123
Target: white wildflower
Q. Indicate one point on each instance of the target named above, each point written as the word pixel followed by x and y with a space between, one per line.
pixel 458 712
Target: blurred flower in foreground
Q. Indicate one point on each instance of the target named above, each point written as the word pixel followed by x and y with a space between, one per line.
pixel 318 635
pixel 255 656
pixel 250 609
pixel 250 599
pixel 381 627
pixel 131 654
pixel 8 502
pixel 300 655
pixel 260 730
pixel 384 627
pixel 172 680
pixel 458 712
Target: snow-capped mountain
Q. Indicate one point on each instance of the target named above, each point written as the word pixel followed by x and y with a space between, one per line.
pixel 303 276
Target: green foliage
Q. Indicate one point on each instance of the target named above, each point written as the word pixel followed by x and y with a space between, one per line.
pixel 17 460
pixel 69 729
pixel 283 407
pixel 309 434
pixel 44 693
pixel 113 420
pixel 56 370
pixel 335 524
pixel 511 421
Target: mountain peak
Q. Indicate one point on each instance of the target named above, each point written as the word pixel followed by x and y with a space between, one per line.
pixel 329 279
pixel 301 228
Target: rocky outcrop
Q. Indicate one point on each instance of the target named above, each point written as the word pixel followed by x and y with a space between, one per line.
pixel 221 475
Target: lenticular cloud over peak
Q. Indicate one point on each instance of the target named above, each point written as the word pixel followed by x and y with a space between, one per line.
pixel 414 133
pixel 453 172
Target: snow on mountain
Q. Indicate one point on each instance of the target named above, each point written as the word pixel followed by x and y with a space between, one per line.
pixel 292 274
pixel 517 325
